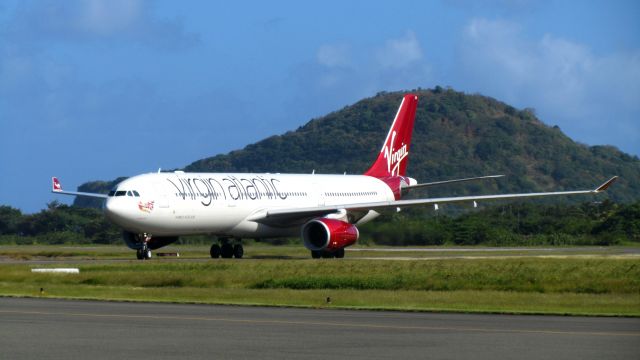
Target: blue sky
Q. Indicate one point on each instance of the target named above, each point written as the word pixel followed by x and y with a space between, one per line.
pixel 98 89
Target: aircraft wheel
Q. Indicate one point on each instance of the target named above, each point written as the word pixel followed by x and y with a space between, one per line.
pixel 215 251
pixel 316 254
pixel 226 251
pixel 327 255
pixel 238 251
pixel 147 254
pixel 139 254
pixel 339 254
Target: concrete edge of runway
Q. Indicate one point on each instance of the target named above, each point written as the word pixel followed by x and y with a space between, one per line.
pixel 331 307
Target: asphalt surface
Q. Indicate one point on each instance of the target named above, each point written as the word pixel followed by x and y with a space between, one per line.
pixel 63 329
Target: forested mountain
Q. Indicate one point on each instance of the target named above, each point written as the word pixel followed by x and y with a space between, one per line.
pixel 456 135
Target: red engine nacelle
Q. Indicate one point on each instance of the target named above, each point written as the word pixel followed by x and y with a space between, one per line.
pixel 328 234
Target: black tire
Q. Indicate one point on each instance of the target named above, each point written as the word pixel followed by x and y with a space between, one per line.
pixel 226 251
pixel 215 251
pixel 139 254
pixel 316 254
pixel 147 254
pixel 339 253
pixel 328 255
pixel 238 251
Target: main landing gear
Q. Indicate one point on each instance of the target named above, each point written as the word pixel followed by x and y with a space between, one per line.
pixel 317 254
pixel 227 249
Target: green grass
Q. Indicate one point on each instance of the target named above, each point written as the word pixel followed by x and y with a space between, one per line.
pixel 588 286
pixel 439 301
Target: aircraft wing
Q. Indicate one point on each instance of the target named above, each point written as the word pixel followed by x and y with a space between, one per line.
pixel 282 217
pixel 56 187
pixel 409 187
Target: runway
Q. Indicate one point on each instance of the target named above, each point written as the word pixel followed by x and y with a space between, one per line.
pixel 398 253
pixel 63 329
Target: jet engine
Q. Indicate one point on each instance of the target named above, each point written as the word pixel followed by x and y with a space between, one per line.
pixel 328 234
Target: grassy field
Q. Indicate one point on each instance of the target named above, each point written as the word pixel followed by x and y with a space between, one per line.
pixel 587 282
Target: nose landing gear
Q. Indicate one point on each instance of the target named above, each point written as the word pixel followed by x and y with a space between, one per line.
pixel 144 253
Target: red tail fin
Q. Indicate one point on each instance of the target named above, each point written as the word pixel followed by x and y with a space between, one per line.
pixel 393 158
pixel 55 184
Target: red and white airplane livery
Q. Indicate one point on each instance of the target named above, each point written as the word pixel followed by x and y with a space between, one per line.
pixel 325 210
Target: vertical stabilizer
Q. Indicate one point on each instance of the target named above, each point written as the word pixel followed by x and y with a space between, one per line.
pixel 394 155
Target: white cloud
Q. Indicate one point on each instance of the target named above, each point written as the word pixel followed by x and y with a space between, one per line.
pixel 342 73
pixel 333 55
pixel 95 20
pixel 595 98
pixel 401 52
pixel 108 16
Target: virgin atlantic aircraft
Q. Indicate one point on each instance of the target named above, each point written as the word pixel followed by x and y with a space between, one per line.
pixel 324 210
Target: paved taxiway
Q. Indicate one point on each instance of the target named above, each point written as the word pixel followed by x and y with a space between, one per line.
pixel 398 253
pixel 62 329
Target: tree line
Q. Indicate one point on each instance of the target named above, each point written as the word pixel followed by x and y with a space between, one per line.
pixel 509 224
pixel 513 224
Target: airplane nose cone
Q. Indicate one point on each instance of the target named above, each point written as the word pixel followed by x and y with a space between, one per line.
pixel 114 210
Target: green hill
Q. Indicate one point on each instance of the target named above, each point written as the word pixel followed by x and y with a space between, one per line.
pixel 456 135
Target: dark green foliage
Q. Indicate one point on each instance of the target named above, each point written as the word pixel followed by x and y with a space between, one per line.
pixel 102 187
pixel 58 224
pixel 9 220
pixel 516 224
pixel 624 223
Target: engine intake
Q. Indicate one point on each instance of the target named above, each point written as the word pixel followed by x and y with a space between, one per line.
pixel 328 234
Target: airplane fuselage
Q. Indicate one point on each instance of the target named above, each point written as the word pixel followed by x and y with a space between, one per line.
pixel 174 204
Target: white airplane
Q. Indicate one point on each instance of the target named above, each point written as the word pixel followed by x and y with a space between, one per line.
pixel 325 210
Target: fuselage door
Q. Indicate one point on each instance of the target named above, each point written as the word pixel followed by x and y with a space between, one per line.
pixel 162 196
pixel 319 193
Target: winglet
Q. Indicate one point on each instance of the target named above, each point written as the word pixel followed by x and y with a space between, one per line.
pixel 606 185
pixel 56 187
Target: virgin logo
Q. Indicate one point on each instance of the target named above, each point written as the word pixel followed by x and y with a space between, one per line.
pixel 394 157
pixel 146 207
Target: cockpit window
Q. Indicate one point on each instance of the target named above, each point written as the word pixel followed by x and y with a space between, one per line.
pixel 131 193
